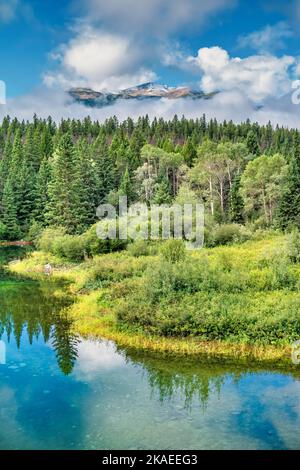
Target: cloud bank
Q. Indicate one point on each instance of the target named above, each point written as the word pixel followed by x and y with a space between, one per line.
pixel 257 76
pixel 122 43
pixel 99 60
pixel 150 17
pixel 231 104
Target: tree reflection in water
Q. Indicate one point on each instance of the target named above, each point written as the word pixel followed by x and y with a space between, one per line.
pixel 37 309
pixel 194 380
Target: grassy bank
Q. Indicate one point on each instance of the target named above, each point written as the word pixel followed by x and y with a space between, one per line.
pixel 239 302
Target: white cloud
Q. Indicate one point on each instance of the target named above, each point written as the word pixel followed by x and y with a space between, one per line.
pixel 257 76
pixel 8 10
pixel 151 16
pixel 268 38
pixel 227 105
pixel 100 60
pixel 97 55
pixel 94 357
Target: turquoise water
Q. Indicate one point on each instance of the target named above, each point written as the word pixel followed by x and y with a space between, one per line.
pixel 58 391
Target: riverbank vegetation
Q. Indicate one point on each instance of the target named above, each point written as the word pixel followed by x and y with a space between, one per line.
pixel 237 296
pixel 236 301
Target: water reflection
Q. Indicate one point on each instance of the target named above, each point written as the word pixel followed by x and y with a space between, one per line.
pixel 32 309
pixel 58 391
pixel 155 402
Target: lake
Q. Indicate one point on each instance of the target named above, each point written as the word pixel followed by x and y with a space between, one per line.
pixel 59 391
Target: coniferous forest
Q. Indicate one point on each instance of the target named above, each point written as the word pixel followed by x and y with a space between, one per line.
pixel 57 174
pixel 149 229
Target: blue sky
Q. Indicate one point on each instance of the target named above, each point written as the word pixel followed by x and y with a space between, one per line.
pixel 35 29
pixel 250 48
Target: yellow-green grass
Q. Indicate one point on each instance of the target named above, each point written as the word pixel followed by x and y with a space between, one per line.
pixel 94 314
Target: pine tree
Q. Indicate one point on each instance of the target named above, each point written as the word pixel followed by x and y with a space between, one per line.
pixel 252 143
pixel 126 187
pixel 46 146
pixel 15 171
pixel 9 213
pixel 162 193
pixel 289 207
pixel 236 202
pixel 32 151
pixel 189 152
pixel 88 184
pixel 64 187
pixel 42 196
pixel 105 171
pixel 28 194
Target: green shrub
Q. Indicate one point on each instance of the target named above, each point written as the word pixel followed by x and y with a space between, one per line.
pixel 139 248
pixel 224 234
pixel 283 276
pixel 173 250
pixel 34 232
pixel 249 318
pixel 293 246
pixel 107 269
pixel 95 245
pixel 46 239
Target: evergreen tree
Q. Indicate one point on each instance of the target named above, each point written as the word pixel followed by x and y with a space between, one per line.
pixel 236 202
pixel 15 172
pixel 105 171
pixel 162 193
pixel 9 213
pixel 64 187
pixel 88 196
pixel 126 187
pixel 289 208
pixel 42 196
pixel 252 143
pixel 189 152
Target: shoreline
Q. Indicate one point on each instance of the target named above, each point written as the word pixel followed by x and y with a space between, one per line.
pixel 93 318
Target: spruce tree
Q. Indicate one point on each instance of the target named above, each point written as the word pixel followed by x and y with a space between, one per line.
pixel 87 174
pixel 9 213
pixel 252 143
pixel 236 202
pixel 41 192
pixel 15 171
pixel 189 152
pixel 105 171
pixel 162 193
pixel 126 187
pixel 64 187
pixel 289 207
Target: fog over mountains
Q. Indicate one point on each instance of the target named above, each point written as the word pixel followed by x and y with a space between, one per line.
pixel 146 91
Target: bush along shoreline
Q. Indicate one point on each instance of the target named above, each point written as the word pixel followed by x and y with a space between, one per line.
pixel 239 302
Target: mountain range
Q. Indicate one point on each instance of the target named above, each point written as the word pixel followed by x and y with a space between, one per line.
pixel 97 99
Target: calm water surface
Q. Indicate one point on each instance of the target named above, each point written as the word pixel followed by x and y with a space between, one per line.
pixel 58 391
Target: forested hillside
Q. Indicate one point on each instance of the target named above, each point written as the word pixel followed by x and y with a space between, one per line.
pixel 57 174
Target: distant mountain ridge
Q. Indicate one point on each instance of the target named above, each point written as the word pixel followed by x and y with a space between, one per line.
pixel 97 99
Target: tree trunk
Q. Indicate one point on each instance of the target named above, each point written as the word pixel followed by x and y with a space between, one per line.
pixel 222 195
pixel 211 197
